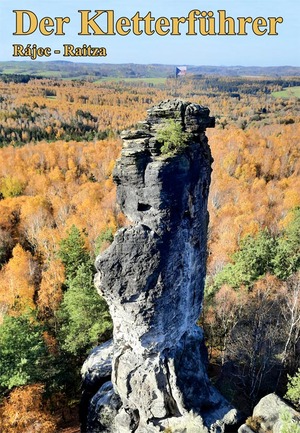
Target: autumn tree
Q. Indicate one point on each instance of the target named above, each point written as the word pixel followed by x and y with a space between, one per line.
pixel 11 187
pixel 24 411
pixel 251 261
pixel 18 277
pixel 221 317
pixel 50 292
pixel 261 254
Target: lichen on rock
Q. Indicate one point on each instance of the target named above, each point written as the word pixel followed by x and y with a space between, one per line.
pixel 152 277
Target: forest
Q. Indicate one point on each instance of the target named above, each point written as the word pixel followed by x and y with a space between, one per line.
pixel 59 140
pixel 96 71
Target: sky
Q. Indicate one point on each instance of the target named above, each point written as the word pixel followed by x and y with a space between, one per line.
pixel 246 50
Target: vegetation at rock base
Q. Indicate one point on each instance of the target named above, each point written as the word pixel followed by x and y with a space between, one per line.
pixel 81 307
pixel 59 142
pixel 252 313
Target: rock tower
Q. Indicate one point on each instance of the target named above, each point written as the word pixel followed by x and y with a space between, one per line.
pixel 152 277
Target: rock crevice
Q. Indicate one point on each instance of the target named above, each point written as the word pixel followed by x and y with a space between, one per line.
pixel 152 277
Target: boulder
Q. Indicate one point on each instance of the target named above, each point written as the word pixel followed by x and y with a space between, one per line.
pixel 270 408
pixel 268 413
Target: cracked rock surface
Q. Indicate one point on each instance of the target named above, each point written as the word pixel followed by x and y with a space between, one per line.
pixel 152 277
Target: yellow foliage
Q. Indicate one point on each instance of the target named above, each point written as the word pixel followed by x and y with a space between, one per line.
pixel 17 281
pixel 24 411
pixel 50 292
pixel 11 186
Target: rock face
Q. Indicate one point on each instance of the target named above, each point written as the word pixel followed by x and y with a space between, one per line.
pixel 152 277
pixel 267 415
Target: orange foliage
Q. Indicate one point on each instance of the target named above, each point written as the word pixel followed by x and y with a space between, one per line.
pixel 50 292
pixel 24 411
pixel 255 182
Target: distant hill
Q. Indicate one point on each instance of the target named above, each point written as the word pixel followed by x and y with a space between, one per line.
pixel 93 71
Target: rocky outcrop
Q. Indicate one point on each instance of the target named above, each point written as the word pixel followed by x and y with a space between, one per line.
pixel 152 277
pixel 268 416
